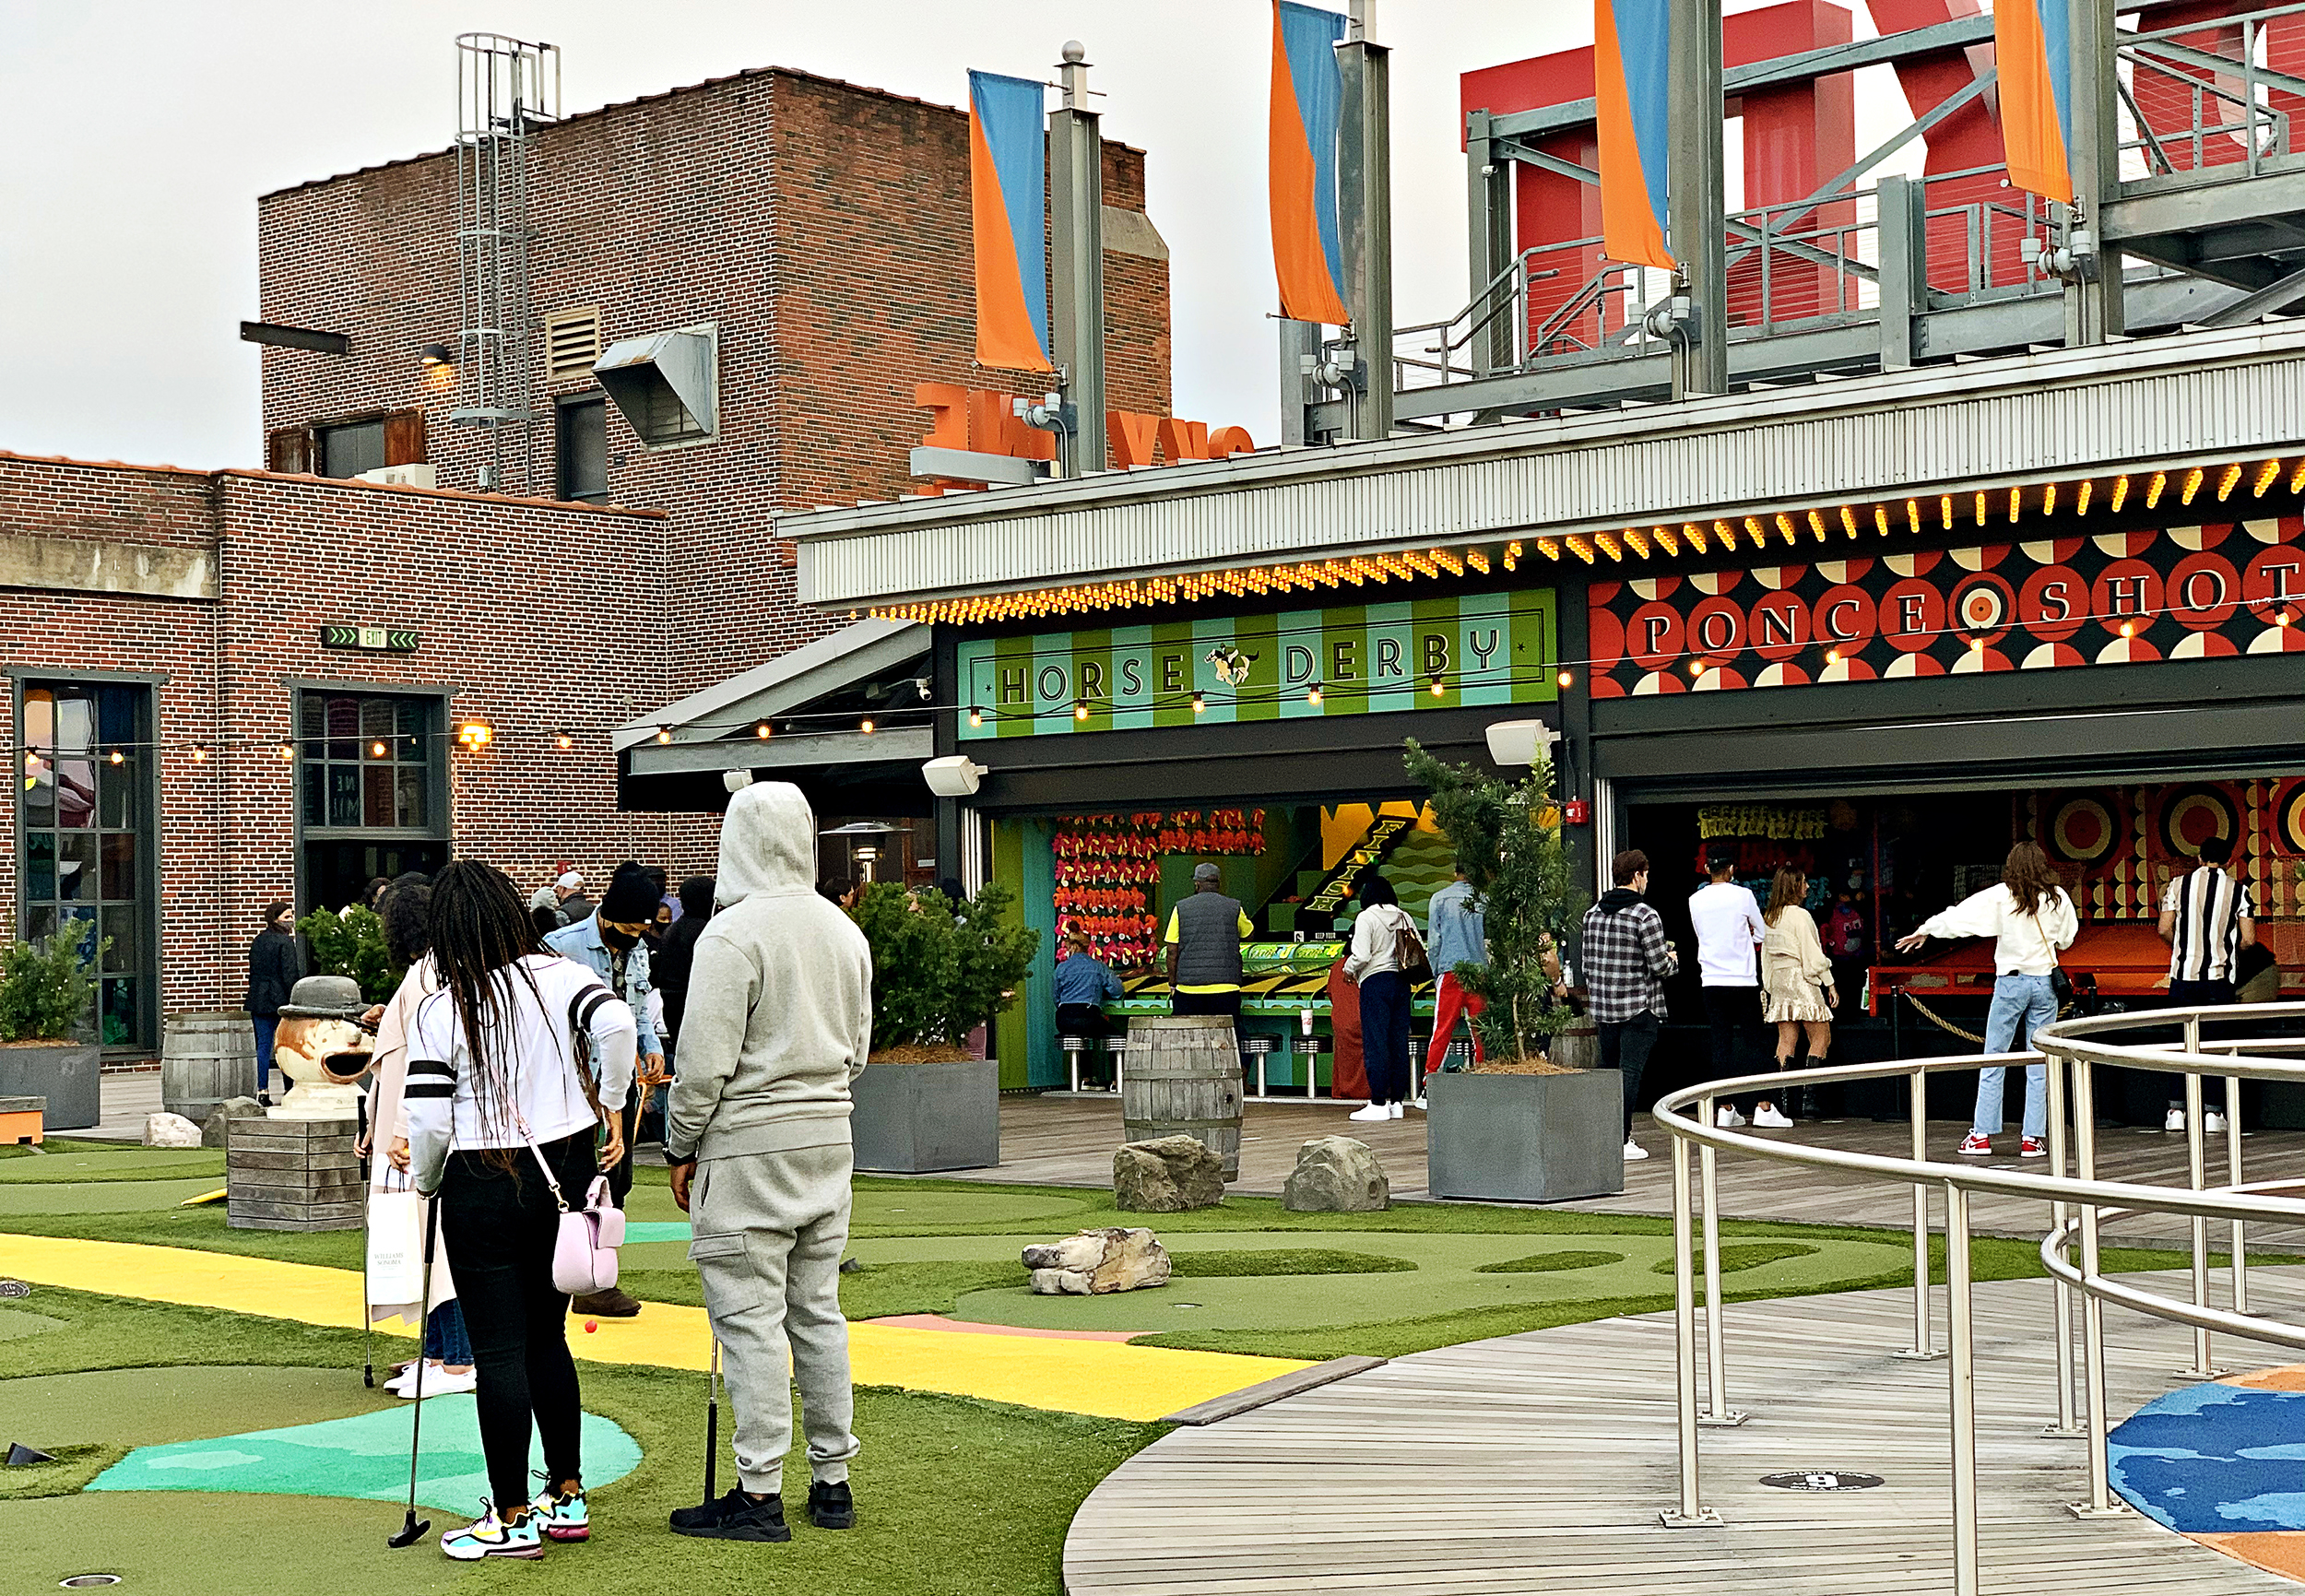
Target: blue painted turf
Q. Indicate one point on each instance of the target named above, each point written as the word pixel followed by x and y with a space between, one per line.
pixel 365 1457
pixel 2214 1459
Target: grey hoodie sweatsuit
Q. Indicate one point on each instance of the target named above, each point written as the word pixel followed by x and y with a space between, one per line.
pixel 779 1021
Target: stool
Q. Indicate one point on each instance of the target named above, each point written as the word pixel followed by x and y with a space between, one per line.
pixel 1261 1047
pixel 1073 1048
pixel 22 1119
pixel 1115 1048
pixel 1308 1048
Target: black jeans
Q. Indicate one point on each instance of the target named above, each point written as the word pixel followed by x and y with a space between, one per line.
pixel 1086 1019
pixel 1626 1045
pixel 499 1226
pixel 621 1178
pixel 1729 1011
pixel 2198 994
pixel 1226 1003
pixel 1385 1035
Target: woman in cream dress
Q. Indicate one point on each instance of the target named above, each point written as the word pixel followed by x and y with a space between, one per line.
pixel 1797 994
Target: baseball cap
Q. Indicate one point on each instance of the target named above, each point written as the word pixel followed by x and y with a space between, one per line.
pixel 570 879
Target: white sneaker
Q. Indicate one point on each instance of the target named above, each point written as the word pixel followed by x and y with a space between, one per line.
pixel 1395 1111
pixel 1374 1111
pixel 1634 1151
pixel 1727 1118
pixel 2213 1122
pixel 1768 1116
pixel 2176 1120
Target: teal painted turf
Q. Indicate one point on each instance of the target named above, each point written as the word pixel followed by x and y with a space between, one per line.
pixel 364 1457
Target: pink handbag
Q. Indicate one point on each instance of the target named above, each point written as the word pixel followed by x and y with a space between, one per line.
pixel 584 1253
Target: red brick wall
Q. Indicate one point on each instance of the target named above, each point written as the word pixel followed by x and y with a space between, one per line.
pixel 475 577
pixel 822 226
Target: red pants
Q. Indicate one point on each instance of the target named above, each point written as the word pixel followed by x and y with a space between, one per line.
pixel 1451 1002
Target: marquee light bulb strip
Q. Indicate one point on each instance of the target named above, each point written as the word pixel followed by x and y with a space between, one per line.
pixel 1593 548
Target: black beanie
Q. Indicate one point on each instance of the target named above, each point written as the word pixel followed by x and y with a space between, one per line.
pixel 631 900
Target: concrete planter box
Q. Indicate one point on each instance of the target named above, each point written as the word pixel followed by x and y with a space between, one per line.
pixel 69 1074
pixel 918 1119
pixel 1525 1137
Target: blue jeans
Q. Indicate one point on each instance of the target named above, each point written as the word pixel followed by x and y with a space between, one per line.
pixel 445 1336
pixel 2021 1005
pixel 265 1026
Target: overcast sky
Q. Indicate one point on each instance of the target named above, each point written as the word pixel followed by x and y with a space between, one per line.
pixel 138 136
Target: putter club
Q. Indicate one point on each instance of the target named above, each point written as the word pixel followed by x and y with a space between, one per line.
pixel 367 1325
pixel 413 1528
pixel 712 1419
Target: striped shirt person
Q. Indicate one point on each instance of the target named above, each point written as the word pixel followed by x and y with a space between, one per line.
pixel 2207 919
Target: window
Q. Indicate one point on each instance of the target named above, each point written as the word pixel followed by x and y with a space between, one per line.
pixel 368 761
pixel 581 448
pixel 88 856
pixel 349 450
pixel 572 341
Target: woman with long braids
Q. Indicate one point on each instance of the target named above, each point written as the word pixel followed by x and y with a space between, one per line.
pixel 496 1095
pixel 2029 919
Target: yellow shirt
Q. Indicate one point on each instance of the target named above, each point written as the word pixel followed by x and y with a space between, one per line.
pixel 1247 930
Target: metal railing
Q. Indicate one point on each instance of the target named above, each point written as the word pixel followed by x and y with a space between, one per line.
pixel 2080 1206
pixel 2199 96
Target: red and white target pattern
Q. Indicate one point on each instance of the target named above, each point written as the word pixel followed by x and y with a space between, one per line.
pixel 2081 830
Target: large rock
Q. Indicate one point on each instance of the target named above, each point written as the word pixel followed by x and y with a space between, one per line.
pixel 1336 1174
pixel 1096 1261
pixel 171 1130
pixel 216 1132
pixel 1166 1175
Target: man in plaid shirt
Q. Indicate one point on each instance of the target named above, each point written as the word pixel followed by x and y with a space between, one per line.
pixel 1626 960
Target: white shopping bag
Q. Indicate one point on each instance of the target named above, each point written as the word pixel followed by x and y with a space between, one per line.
pixel 396 1247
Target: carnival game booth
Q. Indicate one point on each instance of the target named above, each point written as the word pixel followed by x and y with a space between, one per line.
pixel 1264 737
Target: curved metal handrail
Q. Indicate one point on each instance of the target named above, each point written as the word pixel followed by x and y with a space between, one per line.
pixel 2079 1046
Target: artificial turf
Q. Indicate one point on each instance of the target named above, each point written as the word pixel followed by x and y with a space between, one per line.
pixel 954 1496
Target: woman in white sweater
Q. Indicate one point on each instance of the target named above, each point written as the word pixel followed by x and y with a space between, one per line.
pixel 1374 965
pixel 2030 919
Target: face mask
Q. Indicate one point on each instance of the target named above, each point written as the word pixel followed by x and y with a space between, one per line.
pixel 623 942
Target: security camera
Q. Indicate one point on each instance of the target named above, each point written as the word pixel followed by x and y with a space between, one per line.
pixel 955 775
pixel 922 685
pixel 736 781
pixel 1516 741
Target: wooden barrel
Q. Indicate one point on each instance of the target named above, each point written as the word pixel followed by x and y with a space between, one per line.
pixel 1578 1047
pixel 1181 1077
pixel 205 1057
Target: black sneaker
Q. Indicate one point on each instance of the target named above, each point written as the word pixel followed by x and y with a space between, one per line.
pixel 831 1507
pixel 735 1517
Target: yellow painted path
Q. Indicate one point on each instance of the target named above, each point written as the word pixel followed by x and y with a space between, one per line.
pixel 1106 1379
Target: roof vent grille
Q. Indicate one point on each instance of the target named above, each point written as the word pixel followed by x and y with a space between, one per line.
pixel 572 341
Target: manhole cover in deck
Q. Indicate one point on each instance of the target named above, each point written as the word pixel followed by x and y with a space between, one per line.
pixel 1823 1480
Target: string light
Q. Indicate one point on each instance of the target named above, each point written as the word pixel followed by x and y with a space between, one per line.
pixel 1697 667
pixel 1080 709
pixel 1912 513
pixel 564 741
pixel 117 757
pixel 2225 483
pixel 199 754
pixel 2081 500
pixel 1440 687
pixel 377 749
pixel 475 735
pixel 2153 489
pixel 1312 694
pixel 1881 519
pixel 1979 508
pixel 664 737
pixel 2192 486
pixel 1784 527
pixel 1848 521
pixel 1200 702
pixel 2049 498
pixel 762 729
pixel 1945 509
pixel 2016 503
pixel 1567 679
pixel 866 725
pixel 286 749
pixel 1816 526
pixel 2265 474
pixel 2121 491
pixel 975 717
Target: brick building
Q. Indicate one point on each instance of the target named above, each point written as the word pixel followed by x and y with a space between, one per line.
pixel 232 686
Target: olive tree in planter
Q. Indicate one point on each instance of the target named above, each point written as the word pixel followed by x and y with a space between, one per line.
pixel 1519 1126
pixel 46 988
pixel 939 970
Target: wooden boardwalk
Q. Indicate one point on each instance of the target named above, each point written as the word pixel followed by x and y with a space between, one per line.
pixel 1537 1463
pixel 1064 1141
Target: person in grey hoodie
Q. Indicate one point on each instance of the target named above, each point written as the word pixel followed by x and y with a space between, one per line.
pixel 778 1022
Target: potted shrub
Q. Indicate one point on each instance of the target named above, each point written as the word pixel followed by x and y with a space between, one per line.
pixel 925 1103
pixel 1522 1126
pixel 350 942
pixel 47 989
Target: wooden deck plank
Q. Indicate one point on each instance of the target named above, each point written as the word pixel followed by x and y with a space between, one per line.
pixel 1537 1462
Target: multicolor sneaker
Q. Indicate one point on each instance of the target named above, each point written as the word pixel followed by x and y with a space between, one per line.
pixel 561 1518
pixel 490 1536
pixel 2032 1147
pixel 1976 1146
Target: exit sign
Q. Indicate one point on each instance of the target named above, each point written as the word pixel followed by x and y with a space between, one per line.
pixel 375 639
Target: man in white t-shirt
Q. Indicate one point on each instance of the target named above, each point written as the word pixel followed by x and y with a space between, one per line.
pixel 1729 932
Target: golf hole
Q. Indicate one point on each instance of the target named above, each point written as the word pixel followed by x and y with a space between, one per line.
pixel 1823 1480
pixel 81 1581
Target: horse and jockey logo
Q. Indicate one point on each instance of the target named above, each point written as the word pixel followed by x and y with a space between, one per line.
pixel 1232 664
